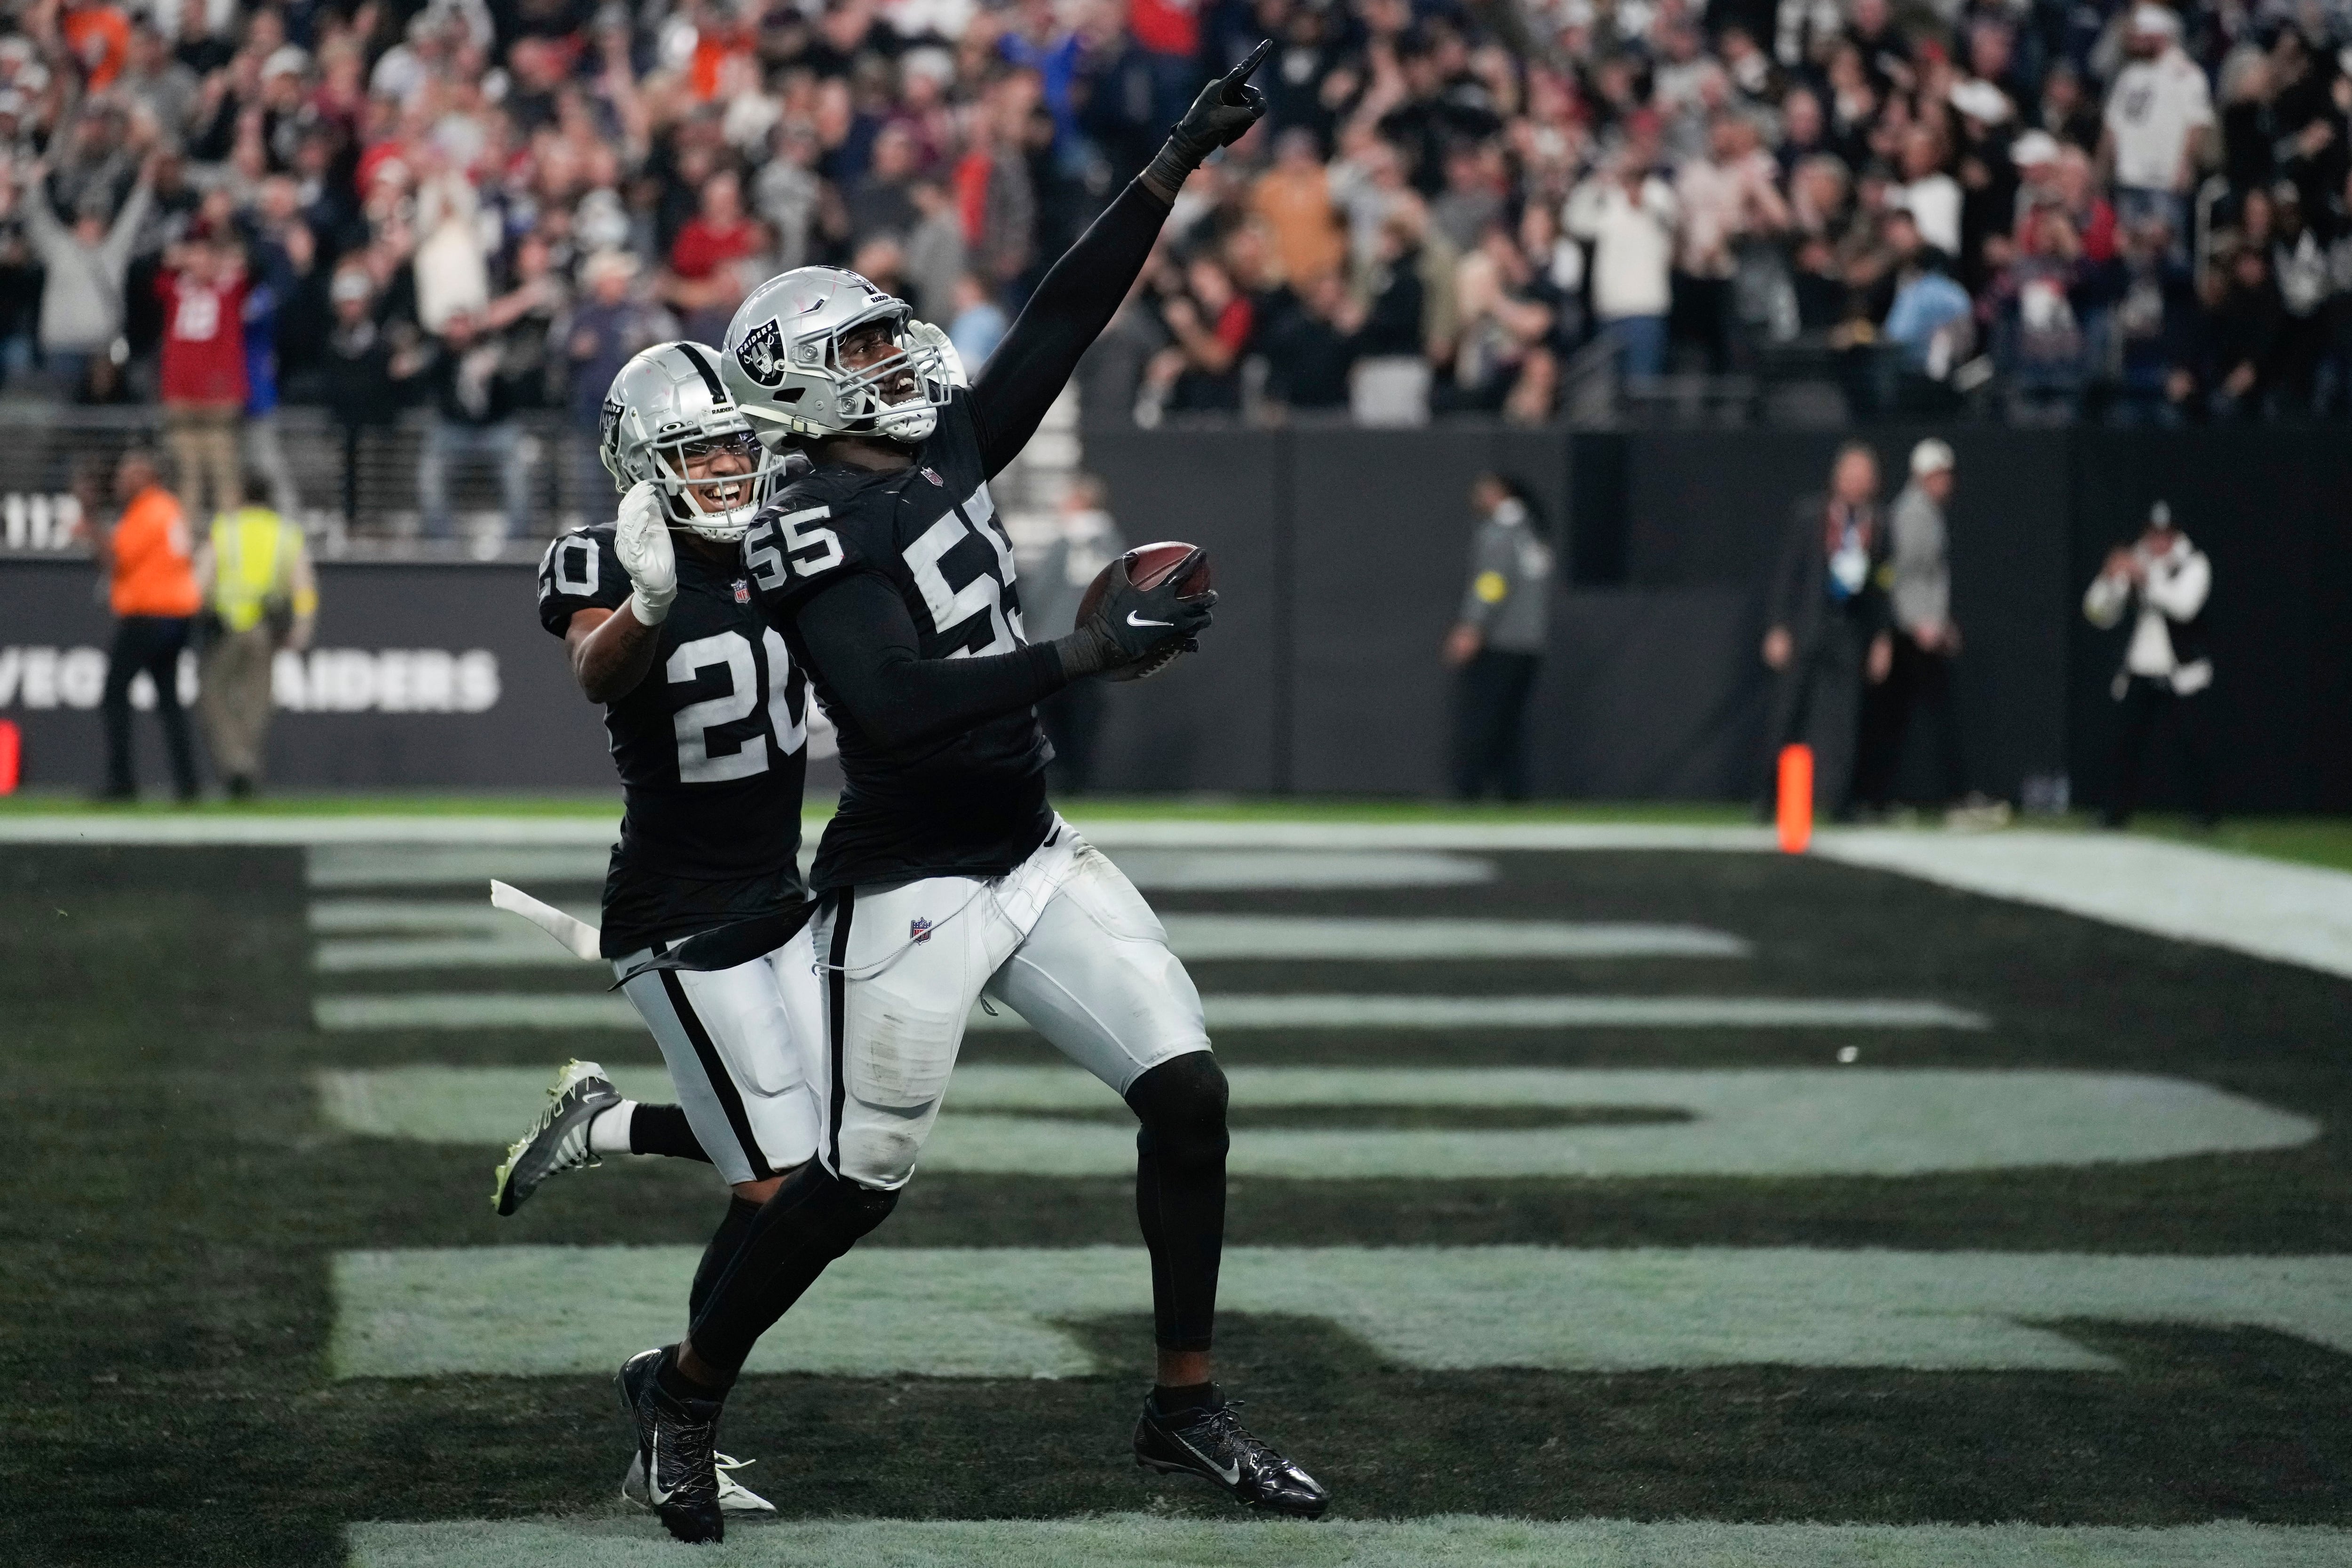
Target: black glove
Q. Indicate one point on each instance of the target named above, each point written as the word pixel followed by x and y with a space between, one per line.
pixel 1133 625
pixel 1220 117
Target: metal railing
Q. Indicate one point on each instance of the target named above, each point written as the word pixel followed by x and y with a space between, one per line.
pixel 44 447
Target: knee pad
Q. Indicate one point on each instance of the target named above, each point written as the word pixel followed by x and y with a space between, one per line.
pixel 852 1211
pixel 1181 1106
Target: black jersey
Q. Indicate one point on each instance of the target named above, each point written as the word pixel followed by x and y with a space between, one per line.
pixel 712 748
pixel 971 803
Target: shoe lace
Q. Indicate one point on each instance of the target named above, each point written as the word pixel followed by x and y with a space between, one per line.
pixel 1222 1427
pixel 690 1446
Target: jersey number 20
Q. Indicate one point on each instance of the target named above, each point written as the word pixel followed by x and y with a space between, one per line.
pixel 694 722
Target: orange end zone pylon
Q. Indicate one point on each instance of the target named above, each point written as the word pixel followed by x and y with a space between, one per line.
pixel 1795 813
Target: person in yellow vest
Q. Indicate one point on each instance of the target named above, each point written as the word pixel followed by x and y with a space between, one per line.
pixel 261 596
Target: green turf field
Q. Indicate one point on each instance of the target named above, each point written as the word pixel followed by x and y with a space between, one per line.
pixel 2075 1261
pixel 2310 840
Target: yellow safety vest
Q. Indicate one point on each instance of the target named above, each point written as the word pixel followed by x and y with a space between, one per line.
pixel 253 556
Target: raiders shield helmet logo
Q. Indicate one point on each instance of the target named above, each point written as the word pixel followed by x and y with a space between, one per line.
pixel 761 354
pixel 608 433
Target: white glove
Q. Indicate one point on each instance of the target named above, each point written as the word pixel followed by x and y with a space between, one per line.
pixel 923 334
pixel 642 542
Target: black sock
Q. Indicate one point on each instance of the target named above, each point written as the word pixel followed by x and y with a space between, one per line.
pixel 1180 1193
pixel 814 1217
pixel 673 1380
pixel 663 1130
pixel 725 1242
pixel 1184 1396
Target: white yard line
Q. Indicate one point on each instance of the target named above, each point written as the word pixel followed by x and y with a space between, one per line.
pixel 467 936
pixel 1143 1541
pixel 972 1311
pixel 534 1010
pixel 344 916
pixel 2270 909
pixel 1784 1122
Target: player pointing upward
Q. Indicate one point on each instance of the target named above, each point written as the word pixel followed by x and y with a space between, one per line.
pixel 945 874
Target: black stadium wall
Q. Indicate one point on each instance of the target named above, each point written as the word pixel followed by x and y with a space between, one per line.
pixel 1338 558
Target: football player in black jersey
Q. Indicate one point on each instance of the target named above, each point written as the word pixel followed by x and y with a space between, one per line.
pixel 945 875
pixel 709 720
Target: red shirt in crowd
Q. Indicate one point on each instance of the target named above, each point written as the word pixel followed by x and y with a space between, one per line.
pixel 1166 27
pixel 703 248
pixel 204 339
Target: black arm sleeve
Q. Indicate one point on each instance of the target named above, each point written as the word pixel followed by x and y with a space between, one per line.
pixel 1061 322
pixel 861 641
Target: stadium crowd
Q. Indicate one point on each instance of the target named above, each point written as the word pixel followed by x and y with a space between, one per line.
pixel 2067 208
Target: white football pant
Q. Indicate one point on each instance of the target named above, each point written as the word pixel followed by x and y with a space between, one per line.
pixel 1065 941
pixel 739 1043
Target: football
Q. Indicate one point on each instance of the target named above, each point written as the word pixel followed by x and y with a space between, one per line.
pixel 1147 567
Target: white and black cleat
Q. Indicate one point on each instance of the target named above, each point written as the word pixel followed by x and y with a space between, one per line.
pixel 677 1449
pixel 558 1140
pixel 734 1497
pixel 1211 1442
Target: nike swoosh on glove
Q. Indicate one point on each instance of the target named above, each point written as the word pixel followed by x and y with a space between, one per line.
pixel 1139 622
pixel 642 543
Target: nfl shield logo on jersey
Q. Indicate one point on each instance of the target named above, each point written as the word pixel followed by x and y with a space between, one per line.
pixel 742 591
pixel 919 929
pixel 933 475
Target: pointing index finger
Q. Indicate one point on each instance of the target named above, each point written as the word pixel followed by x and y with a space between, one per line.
pixel 1238 78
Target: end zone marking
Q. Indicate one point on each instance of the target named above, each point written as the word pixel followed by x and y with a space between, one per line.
pixel 571 1011
pixel 1801 1121
pixel 1145 1541
pixel 999 1311
pixel 445 934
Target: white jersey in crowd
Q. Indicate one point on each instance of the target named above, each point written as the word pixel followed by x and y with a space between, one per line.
pixel 2151 109
pixel 1632 245
pixel 2174 589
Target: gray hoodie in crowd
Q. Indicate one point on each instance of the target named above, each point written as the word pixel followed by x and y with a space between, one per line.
pixel 81 301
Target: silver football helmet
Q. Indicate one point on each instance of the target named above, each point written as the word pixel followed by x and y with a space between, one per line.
pixel 783 360
pixel 667 409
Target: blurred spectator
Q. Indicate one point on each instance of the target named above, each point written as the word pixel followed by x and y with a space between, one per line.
pixel 2166 671
pixel 473 418
pixel 605 330
pixel 1312 349
pixel 977 323
pixel 1210 324
pixel 2039 335
pixel 203 288
pixel 1085 539
pixel 2160 112
pixel 1721 200
pixel 1505 361
pixel 1294 198
pixel 81 303
pixel 148 558
pixel 702 283
pixel 1736 168
pixel 1497 642
pixel 359 391
pixel 261 595
pixel 2243 320
pixel 1827 626
pixel 2155 330
pixel 1629 218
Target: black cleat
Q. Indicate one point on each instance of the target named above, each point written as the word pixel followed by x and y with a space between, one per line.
pixel 675 1441
pixel 1212 1444
pixel 558 1139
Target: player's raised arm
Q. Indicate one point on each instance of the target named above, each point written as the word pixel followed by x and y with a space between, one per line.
pixel 1082 290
